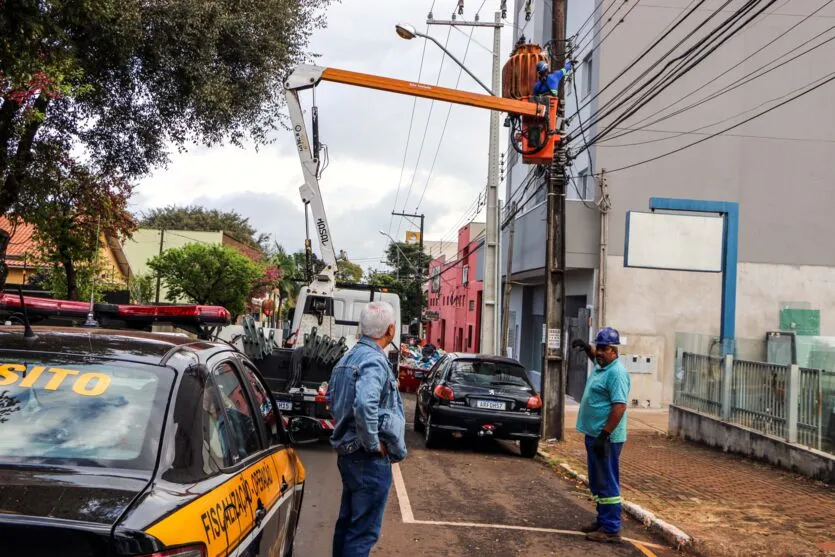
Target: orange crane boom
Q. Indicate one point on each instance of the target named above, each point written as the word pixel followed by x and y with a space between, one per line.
pixel 411 88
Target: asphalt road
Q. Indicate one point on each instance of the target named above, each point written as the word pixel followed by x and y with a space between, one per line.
pixel 465 498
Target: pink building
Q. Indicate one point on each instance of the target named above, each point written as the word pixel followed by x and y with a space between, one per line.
pixel 454 295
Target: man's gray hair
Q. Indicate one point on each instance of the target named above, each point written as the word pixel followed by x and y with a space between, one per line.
pixel 376 318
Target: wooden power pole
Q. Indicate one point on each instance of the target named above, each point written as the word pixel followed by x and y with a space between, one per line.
pixel 554 373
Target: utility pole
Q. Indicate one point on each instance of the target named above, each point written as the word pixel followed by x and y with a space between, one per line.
pixel 508 284
pixel 419 268
pixel 161 244
pixel 554 373
pixel 489 310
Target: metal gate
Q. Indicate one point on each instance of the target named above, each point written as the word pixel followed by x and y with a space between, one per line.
pixel 578 327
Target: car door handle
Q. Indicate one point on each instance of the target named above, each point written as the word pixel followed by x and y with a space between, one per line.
pixel 260 513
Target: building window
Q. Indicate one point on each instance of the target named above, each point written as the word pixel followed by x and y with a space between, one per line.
pixel 465 276
pixel 588 67
pixel 436 279
pixel 469 336
pixel 581 186
pixel 472 305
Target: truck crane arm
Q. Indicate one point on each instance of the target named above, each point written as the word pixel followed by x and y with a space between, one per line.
pixel 539 133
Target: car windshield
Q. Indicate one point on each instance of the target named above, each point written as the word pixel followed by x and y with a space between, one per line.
pixel 488 374
pixel 59 410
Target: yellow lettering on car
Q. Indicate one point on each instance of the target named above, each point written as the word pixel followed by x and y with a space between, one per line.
pixel 92 383
pixel 227 513
pixel 32 376
pixel 8 373
pixel 58 375
pixel 81 384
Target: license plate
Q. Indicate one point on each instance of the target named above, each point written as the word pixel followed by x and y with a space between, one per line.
pixel 284 405
pixel 489 404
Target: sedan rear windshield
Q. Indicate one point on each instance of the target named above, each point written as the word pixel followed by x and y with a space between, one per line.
pixel 483 373
pixel 58 410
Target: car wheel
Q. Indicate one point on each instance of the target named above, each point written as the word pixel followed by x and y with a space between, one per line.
pixel 430 436
pixel 528 447
pixel 417 424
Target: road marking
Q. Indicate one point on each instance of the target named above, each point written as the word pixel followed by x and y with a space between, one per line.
pixel 408 517
pixel 402 496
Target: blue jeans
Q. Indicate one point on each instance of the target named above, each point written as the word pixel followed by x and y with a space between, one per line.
pixel 366 480
pixel 604 482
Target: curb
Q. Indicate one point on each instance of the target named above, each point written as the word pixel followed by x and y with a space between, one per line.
pixel 671 533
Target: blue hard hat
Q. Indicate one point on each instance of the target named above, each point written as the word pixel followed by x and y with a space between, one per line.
pixel 541 66
pixel 607 336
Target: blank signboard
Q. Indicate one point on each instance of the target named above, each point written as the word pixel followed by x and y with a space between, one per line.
pixel 675 242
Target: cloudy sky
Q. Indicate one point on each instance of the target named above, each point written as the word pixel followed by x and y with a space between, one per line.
pixel 366 132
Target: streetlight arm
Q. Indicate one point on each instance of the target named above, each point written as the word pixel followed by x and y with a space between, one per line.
pixel 456 60
pixel 394 243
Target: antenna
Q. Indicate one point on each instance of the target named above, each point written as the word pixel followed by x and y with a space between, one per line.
pixel 91 319
pixel 27 328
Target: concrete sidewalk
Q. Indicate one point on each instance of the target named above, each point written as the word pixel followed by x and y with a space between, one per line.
pixel 728 505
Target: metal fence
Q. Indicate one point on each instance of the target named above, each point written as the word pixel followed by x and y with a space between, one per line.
pixel 783 401
pixel 758 396
pixel 700 383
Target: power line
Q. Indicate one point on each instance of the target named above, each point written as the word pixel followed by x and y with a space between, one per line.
pixel 597 25
pixel 425 131
pixel 828 78
pixel 660 38
pixel 738 83
pixel 670 79
pixel 679 134
pixel 618 101
pixel 449 111
pixel 409 133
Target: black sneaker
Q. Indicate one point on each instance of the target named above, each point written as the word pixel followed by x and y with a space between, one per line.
pixel 588 529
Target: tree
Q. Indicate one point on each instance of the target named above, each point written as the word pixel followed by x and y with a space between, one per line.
pixel 208 274
pixel 410 264
pixel 346 271
pixel 412 299
pixel 141 287
pixel 316 264
pixel 124 80
pixel 406 259
pixel 89 280
pixel 72 208
pixel 193 217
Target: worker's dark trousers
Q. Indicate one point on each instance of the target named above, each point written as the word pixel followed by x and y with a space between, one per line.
pixel 604 482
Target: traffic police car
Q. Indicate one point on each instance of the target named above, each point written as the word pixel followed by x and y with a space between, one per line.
pixel 122 442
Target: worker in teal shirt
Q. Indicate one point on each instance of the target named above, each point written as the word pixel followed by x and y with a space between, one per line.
pixel 602 419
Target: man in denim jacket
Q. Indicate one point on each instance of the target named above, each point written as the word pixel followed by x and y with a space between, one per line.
pixel 369 434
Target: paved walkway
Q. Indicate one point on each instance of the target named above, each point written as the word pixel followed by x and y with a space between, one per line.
pixel 728 504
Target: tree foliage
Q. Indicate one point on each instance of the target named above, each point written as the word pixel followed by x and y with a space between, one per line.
pixel 194 217
pixel 89 279
pixel 125 79
pixel 412 299
pixel 208 274
pixel 407 260
pixel 347 271
pixel 72 209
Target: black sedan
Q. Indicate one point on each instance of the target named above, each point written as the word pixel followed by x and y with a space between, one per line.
pixel 479 396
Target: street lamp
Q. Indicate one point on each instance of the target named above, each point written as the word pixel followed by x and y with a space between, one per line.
pixel 408 32
pixel 394 242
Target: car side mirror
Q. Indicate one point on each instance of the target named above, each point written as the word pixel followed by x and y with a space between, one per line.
pixel 302 430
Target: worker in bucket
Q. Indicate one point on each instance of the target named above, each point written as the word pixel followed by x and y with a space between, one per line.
pixel 602 419
pixel 548 84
